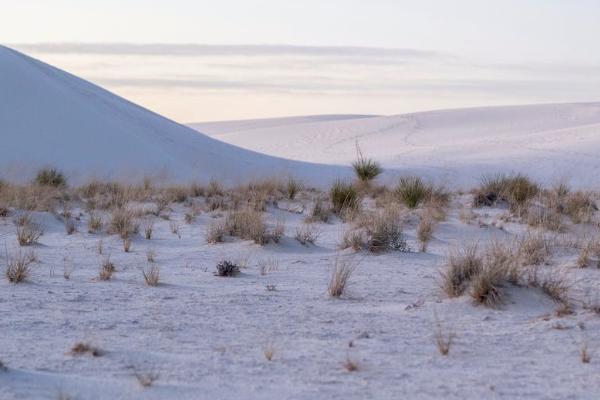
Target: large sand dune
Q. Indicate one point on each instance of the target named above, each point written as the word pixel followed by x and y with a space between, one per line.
pixel 550 142
pixel 51 118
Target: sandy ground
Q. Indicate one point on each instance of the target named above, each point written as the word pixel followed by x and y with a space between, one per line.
pixel 204 336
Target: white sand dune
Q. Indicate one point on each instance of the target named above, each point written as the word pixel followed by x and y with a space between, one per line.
pixel 51 118
pixel 549 142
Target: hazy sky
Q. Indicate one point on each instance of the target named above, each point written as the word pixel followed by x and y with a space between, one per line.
pixel 208 60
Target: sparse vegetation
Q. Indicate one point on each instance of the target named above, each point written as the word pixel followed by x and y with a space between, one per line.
pixel 377 231
pixel 443 338
pixel 344 197
pixel 463 264
pixel 534 249
pixel 146 379
pixel 269 351
pixel 123 223
pixel 82 348
pixel 515 190
pixel 107 268
pixel 27 231
pixel 340 277
pixel 585 355
pixel 307 234
pixel 425 230
pixel 18 266
pixel 292 188
pixel 95 223
pixel 350 365
pixel 216 231
pixel 151 275
pixel 319 212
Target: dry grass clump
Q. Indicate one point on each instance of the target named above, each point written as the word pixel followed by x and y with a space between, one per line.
pixel 425 230
pixel 377 231
pixel 344 197
pixel 385 232
pixel 146 379
pixel 463 264
pixel 127 244
pixel 553 283
pixel 18 266
pixel 534 248
pixel 269 351
pixel 151 255
pixel 107 268
pixel 307 234
pixel 268 265
pixel 216 231
pixel 82 348
pixel 516 190
pixel 340 277
pixel 227 269
pixel 443 338
pixel 590 249
pixel 257 195
pixel 50 177
pixel 500 265
pixel 354 238
pixel 95 223
pixel 584 354
pixel 27 231
pixel 292 187
pixel 580 206
pixel 174 227
pixel 350 365
pixel 319 212
pixel 123 223
pixel 148 226
pixel 247 224
pixel 70 225
pixel 547 218
pixel 486 286
pixel 151 275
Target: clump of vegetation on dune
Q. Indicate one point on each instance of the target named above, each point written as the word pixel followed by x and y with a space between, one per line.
pixel 365 169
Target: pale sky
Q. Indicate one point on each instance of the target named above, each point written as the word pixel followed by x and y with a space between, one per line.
pixel 229 59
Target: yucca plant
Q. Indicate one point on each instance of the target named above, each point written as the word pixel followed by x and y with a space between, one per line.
pixel 365 168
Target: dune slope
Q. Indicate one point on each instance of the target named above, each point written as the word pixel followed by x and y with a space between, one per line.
pixel 51 118
pixel 550 142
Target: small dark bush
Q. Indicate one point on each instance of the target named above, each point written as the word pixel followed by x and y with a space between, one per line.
pixel 227 268
pixel 50 177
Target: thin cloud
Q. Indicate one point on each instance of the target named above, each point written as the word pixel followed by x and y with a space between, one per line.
pixel 197 50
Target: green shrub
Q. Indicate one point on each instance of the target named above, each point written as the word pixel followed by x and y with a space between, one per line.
pixel 344 196
pixel 516 190
pixel 412 191
pixel 50 177
pixel 366 169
